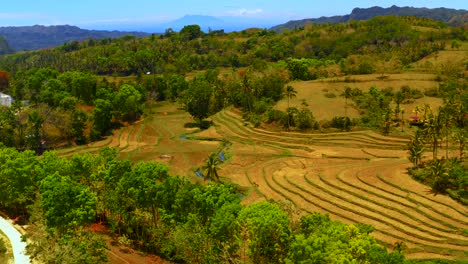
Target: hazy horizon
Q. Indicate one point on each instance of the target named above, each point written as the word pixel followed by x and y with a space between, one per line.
pixel 147 15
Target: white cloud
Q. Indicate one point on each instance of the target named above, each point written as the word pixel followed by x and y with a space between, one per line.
pixel 244 12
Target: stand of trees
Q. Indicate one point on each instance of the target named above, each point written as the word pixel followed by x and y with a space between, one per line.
pixel 444 133
pixel 147 208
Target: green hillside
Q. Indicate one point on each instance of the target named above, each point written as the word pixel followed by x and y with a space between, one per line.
pixel 451 16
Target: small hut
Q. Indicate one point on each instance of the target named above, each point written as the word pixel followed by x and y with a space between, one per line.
pixel 5 99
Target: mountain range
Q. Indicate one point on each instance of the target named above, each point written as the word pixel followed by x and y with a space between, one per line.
pixel 453 17
pixel 39 37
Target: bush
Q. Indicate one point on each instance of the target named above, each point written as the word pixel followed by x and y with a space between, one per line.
pixel 3 248
pixel 341 122
pixel 274 115
pixel 304 119
pixel 330 95
pixel 432 92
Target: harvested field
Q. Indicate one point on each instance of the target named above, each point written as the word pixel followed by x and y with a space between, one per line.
pixel 355 177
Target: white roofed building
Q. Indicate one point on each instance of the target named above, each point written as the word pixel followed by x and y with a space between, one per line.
pixel 5 99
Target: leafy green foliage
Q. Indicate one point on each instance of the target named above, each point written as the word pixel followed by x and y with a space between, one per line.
pixel 322 240
pixel 267 230
pixel 197 98
pixel 66 204
pixel 164 214
pixel 197 51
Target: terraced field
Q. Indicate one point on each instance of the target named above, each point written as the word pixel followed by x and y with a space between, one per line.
pixel 158 137
pixel 354 177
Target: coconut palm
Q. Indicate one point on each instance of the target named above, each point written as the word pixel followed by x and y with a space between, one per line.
pixel 460 135
pixel 290 92
pixel 347 93
pixel 211 167
pixel 433 130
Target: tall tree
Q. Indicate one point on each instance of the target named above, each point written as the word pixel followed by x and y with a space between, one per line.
pixel 66 204
pixel 35 121
pixel 290 92
pixel 198 97
pixel 460 135
pixel 127 103
pixel 347 93
pixel 433 130
pixel 102 117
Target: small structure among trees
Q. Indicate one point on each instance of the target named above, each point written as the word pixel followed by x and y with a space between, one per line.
pixel 5 99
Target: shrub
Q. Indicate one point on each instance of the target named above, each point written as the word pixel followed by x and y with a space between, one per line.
pixel 3 247
pixel 432 92
pixel 330 95
pixel 274 115
pixel 341 122
pixel 304 119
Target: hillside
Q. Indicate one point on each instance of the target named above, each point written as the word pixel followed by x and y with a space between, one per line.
pixel 39 37
pixel 186 144
pixel 451 16
pixel 4 47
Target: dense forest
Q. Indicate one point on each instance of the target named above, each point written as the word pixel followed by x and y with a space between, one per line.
pixel 81 91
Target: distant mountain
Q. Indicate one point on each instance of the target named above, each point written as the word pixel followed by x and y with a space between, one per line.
pixel 39 37
pixel 205 22
pixel 451 16
pixel 227 23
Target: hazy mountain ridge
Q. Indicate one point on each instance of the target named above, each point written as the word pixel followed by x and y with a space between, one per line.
pixel 451 16
pixel 38 37
pixel 226 23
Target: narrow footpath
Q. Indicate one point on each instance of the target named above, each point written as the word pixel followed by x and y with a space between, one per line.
pixel 19 247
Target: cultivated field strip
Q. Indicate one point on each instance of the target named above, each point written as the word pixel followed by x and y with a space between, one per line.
pixel 236 128
pixel 374 191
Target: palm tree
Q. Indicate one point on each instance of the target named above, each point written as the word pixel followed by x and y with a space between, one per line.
pixel 211 167
pixel 399 97
pixel 348 92
pixel 433 128
pixel 290 92
pixel 460 136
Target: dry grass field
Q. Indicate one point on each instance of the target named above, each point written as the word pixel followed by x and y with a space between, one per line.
pixel 313 92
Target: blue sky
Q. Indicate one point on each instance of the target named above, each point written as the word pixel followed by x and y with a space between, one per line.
pixel 118 14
